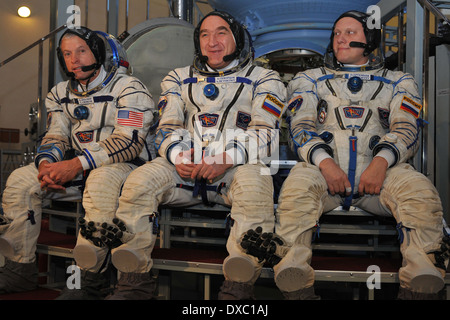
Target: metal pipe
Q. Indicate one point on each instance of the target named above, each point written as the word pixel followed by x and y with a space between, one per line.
pixel 31 46
pixel 40 73
pixel 86 11
pixel 425 80
pixel 177 8
pixel 182 9
pixel 52 44
pixel 126 14
pixel 112 18
pixel 400 40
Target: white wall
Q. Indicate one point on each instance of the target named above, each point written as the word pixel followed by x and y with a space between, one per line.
pixel 18 79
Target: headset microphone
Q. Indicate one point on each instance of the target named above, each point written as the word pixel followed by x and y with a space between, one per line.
pixel 355 44
pixel 89 68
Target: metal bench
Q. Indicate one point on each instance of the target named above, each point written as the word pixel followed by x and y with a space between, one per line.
pixel 201 224
pixel 189 234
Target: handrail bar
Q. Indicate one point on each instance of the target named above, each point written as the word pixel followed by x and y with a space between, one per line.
pixel 31 46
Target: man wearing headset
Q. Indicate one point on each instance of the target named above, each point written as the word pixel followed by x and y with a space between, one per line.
pixel 209 113
pixel 354 125
pixel 104 115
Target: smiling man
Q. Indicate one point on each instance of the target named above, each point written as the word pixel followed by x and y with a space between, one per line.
pixel 349 30
pixel 216 41
pixel 200 105
pixel 354 125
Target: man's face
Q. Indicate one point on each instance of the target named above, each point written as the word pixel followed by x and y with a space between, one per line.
pixel 216 41
pixel 77 54
pixel 347 30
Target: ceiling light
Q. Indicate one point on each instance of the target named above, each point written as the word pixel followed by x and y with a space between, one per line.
pixel 24 12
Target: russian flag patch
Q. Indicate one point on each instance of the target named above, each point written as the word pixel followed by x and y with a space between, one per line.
pixel 273 106
pixel 130 118
pixel 411 106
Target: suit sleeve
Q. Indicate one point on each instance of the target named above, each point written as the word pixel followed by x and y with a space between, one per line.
pixel 302 116
pixel 405 108
pixel 268 106
pixel 134 115
pixel 56 140
pixel 171 131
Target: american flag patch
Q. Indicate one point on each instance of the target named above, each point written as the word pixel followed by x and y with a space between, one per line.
pixel 130 118
pixel 273 106
pixel 411 106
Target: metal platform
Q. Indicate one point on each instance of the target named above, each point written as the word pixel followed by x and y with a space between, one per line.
pixel 356 270
pixel 203 257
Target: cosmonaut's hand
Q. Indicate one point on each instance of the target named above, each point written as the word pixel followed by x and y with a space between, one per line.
pixel 335 177
pixel 212 167
pixel 373 177
pixel 44 177
pixel 184 163
pixel 55 175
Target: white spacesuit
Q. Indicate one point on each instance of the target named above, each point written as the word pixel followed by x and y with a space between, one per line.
pixel 355 113
pixel 211 112
pixel 107 123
